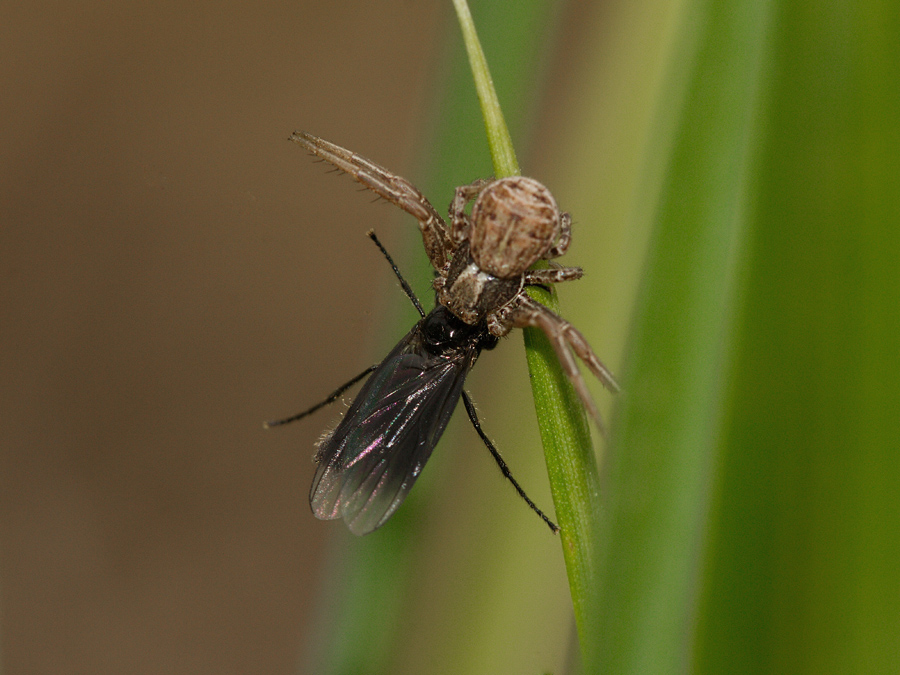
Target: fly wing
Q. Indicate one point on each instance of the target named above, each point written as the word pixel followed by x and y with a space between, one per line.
pixel 369 463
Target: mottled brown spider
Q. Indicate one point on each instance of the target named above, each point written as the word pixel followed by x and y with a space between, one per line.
pixel 482 260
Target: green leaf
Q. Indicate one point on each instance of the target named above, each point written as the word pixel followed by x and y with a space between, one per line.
pixel 571 462
pixel 750 518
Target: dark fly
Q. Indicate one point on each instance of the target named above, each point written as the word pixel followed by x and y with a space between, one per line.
pixel 369 463
pixel 483 266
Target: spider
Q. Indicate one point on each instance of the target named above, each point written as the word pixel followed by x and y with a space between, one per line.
pixel 368 464
pixel 482 261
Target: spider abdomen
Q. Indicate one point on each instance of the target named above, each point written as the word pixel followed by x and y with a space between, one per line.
pixel 515 221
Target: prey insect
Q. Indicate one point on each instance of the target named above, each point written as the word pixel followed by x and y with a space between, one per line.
pixel 368 464
pixel 482 260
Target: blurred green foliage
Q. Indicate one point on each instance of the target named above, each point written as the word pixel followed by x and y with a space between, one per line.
pixel 751 523
pixel 734 173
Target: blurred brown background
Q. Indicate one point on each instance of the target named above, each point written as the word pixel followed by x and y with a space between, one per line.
pixel 174 271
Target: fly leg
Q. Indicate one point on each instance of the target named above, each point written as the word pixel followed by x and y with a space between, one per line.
pixel 403 283
pixel 473 417
pixel 332 397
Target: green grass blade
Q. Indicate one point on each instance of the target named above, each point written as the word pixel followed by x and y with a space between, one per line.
pixel 805 540
pixel 659 468
pixel 751 510
pixel 503 154
pixel 572 465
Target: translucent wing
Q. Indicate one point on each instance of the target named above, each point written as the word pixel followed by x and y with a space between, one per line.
pixel 369 463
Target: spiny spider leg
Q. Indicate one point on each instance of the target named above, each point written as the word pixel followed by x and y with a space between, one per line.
pixel 553 275
pixel 391 187
pixel 565 237
pixel 459 220
pixel 547 319
pixel 562 335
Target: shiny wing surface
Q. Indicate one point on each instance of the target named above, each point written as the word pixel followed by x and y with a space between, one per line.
pixel 369 463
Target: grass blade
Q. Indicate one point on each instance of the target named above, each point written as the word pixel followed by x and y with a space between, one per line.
pixel 572 465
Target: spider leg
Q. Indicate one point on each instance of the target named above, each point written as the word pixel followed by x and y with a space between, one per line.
pixel 563 335
pixel 565 237
pixel 459 220
pixel 391 187
pixel 553 275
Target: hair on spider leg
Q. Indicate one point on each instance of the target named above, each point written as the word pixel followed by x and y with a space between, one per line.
pixel 377 199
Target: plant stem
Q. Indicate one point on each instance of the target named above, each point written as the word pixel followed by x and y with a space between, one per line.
pixel 571 462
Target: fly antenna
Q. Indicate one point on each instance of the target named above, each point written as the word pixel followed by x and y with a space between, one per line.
pixel 403 284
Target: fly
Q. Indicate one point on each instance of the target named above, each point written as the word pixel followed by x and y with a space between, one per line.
pixel 482 265
pixel 369 463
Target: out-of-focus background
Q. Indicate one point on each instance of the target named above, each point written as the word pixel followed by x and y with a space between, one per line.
pixel 174 272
